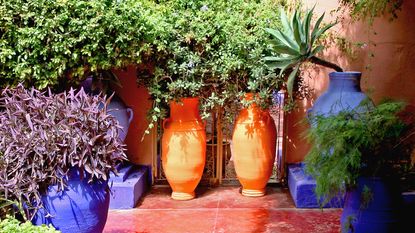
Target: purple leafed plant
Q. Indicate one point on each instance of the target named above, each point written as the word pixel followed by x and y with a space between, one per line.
pixel 43 135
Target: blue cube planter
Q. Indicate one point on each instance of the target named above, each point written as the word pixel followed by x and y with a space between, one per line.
pixel 129 186
pixel 80 208
pixel 302 188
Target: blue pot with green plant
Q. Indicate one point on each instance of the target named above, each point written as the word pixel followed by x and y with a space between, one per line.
pixel 351 139
pixel 60 149
pixel 362 154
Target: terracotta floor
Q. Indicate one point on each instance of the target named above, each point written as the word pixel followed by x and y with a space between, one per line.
pixel 221 209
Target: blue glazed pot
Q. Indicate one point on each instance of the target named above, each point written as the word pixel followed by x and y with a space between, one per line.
pixel 116 108
pixel 343 93
pixel 81 208
pixel 381 214
pixel 124 115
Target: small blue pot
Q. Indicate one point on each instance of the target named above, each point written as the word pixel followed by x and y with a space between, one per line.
pixel 81 208
pixel 381 214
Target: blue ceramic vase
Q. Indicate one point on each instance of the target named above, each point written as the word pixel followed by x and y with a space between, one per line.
pixel 116 108
pixel 80 208
pixel 122 113
pixel 377 210
pixel 343 93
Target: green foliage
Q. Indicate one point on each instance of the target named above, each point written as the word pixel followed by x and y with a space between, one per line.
pixel 12 225
pixel 211 49
pixel 295 44
pixel 355 143
pixel 207 48
pixel 44 42
pixel 371 9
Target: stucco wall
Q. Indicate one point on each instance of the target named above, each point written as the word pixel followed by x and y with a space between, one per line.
pixel 139 151
pixel 391 73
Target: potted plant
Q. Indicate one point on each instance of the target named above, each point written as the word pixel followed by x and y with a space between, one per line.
pixel 58 151
pixel 362 153
pixel 209 60
pixel 297 44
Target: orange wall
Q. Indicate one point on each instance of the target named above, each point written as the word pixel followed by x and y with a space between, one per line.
pixel 137 98
pixel 392 72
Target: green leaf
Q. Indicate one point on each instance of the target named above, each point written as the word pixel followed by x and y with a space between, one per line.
pixel 283 38
pixel 307 28
pixel 283 49
pixel 316 27
pixel 285 22
pixel 317 50
pixel 291 79
pixel 297 28
pixel 279 64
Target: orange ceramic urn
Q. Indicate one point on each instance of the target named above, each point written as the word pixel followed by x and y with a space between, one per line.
pixel 253 144
pixel 184 148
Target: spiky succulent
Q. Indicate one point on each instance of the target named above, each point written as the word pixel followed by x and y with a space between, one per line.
pixel 296 44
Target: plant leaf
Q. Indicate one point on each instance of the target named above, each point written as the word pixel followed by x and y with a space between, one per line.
pixel 291 79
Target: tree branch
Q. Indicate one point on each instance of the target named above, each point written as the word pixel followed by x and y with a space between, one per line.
pixel 324 63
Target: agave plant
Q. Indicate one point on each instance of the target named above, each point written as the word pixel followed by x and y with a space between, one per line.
pixel 295 44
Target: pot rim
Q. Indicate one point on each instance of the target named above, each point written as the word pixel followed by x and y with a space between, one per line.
pixel 345 74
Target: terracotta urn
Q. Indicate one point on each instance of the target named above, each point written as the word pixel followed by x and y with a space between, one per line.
pixel 184 148
pixel 254 148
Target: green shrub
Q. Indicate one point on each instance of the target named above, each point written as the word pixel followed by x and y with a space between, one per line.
pixel 12 225
pixel 44 42
pixel 213 50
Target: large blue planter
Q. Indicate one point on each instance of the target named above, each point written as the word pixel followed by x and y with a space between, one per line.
pixel 343 93
pixel 81 208
pixel 381 214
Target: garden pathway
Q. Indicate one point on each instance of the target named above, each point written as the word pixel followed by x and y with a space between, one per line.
pixel 222 209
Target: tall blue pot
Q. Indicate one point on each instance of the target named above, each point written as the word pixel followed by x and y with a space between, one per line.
pixel 343 93
pixel 381 214
pixel 81 208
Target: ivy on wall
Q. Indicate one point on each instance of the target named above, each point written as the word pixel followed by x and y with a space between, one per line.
pixel 370 9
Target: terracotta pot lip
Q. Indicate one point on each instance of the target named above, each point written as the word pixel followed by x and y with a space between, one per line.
pixel 185 100
pixel 249 95
pixel 345 74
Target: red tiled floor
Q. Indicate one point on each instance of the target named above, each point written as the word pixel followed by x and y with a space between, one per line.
pixel 222 209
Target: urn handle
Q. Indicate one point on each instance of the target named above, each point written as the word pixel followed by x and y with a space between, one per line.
pixel 130 115
pixel 165 122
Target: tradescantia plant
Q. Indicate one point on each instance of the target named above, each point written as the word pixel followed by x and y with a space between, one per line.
pixel 296 44
pixel 44 135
